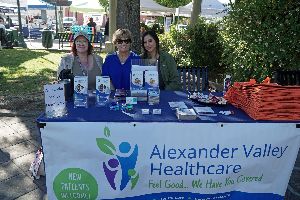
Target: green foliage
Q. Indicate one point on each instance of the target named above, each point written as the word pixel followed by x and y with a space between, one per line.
pixel 261 37
pixel 104 3
pixel 199 45
pixel 172 3
pixel 155 27
pixel 167 3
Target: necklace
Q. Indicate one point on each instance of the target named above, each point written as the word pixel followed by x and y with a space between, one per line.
pixel 122 58
pixel 83 67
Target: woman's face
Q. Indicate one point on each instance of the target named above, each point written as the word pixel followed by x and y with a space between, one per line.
pixel 149 44
pixel 1 21
pixel 123 45
pixel 82 44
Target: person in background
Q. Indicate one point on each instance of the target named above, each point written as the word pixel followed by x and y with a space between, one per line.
pixel 142 31
pixel 3 39
pixel 118 64
pixel 8 22
pixel 167 69
pixel 92 24
pixel 106 30
pixel 49 23
pixel 82 61
pixel 2 24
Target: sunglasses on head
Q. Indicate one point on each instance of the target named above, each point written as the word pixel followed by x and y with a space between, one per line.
pixel 127 41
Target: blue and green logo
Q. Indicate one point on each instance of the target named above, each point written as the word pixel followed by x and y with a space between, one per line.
pixel 122 161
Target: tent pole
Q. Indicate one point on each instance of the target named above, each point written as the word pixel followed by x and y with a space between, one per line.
pixel 19 17
pixel 21 39
pixel 56 21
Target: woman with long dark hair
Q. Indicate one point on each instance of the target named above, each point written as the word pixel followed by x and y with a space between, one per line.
pixel 167 70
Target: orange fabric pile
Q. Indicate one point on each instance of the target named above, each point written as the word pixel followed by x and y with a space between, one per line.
pixel 266 101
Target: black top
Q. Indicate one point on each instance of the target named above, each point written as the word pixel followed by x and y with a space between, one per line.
pixel 106 28
pixel 92 24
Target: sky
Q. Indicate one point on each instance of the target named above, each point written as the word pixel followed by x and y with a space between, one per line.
pixel 225 1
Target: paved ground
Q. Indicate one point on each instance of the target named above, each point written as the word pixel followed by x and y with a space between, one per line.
pixel 37 44
pixel 20 139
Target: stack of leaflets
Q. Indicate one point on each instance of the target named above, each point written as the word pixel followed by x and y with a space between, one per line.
pixel 207 111
pixel 136 85
pixel 102 90
pixel 182 111
pixel 80 91
pixel 120 95
pixel 177 104
pixel 186 114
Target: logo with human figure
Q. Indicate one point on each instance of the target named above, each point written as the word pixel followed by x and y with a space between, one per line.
pixel 121 164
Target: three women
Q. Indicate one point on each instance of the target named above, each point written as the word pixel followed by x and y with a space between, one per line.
pixel 118 64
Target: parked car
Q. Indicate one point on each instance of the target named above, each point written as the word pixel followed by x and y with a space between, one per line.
pixel 181 27
pixel 149 22
pixel 68 22
pixel 38 20
pixel 15 21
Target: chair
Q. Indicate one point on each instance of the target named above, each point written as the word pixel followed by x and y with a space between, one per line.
pixel 287 77
pixel 193 79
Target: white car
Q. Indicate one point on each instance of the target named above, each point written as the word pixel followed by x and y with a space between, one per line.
pixel 181 27
pixel 149 22
pixel 68 22
pixel 15 21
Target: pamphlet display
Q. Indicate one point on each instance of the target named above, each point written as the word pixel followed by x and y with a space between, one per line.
pixel 80 91
pixel 144 65
pixel 102 90
pixel 137 80
pixel 54 100
pixel 151 79
pixel 144 75
pixel 153 96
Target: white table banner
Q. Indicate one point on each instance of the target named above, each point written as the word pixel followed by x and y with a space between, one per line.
pixel 162 161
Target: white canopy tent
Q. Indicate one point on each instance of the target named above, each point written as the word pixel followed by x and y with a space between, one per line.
pixel 7 8
pixel 39 5
pixel 209 9
pixel 147 7
pixel 150 7
pixel 86 6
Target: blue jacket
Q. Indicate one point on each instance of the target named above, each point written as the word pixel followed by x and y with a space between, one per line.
pixel 119 74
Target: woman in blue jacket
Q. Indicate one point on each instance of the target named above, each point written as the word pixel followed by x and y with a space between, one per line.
pixel 118 64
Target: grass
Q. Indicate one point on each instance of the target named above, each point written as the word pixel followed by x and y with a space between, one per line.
pixel 23 73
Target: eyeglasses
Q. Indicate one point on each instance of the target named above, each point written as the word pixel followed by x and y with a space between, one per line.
pixel 127 41
pixel 81 42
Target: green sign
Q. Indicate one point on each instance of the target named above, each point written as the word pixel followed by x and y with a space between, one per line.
pixel 75 183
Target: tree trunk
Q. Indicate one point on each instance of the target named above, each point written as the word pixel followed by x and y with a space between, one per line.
pixel 128 16
pixel 196 11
